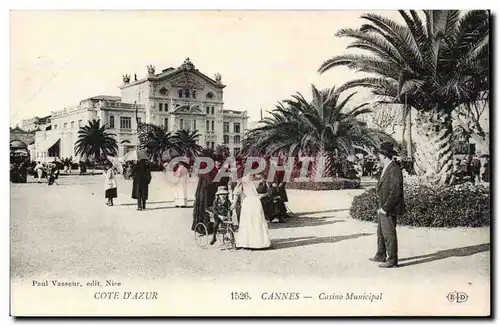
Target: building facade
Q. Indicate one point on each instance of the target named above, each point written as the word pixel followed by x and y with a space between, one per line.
pixel 35 124
pixel 177 98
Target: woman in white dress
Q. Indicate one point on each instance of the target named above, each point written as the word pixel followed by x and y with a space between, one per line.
pixel 110 185
pixel 181 174
pixel 253 232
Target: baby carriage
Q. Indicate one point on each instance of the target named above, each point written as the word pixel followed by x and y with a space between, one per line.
pixel 225 231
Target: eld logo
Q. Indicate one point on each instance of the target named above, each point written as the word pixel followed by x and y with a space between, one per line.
pixel 457 297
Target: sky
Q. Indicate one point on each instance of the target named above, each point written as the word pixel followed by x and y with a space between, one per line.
pixel 61 57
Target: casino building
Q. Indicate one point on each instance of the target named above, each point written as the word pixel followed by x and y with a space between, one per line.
pixel 178 98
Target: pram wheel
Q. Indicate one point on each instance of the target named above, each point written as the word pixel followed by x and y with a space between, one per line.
pixel 201 235
pixel 229 238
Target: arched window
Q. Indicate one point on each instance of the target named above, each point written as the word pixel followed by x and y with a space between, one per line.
pixel 186 93
pixel 236 139
pixel 180 92
pixel 194 94
pixel 226 139
pixel 210 95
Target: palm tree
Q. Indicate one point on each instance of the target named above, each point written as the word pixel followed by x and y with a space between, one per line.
pixel 155 140
pixel 222 152
pixel 320 128
pixel 436 65
pixel 95 140
pixel 186 142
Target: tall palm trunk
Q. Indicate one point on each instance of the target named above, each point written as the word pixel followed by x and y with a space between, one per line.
pixel 321 167
pixel 434 153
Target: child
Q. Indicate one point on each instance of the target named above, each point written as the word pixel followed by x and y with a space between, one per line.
pixel 221 209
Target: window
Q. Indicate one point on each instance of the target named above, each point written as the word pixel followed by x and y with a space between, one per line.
pixel 111 121
pixel 160 107
pixel 212 110
pixel 208 144
pixel 236 151
pixel 65 125
pixel 182 123
pixel 226 126
pixel 236 139
pixel 210 95
pixel 194 94
pixel 194 124
pixel 163 91
pixel 165 123
pixel 166 106
pixel 72 125
pixel 79 123
pixel 226 139
pixel 138 121
pixel 208 125
pixel 180 92
pixel 208 110
pixel 237 128
pixel 125 123
pixel 212 145
pixel 186 93
pixel 213 128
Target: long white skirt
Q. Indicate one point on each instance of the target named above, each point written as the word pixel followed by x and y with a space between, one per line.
pixel 253 231
pixel 180 198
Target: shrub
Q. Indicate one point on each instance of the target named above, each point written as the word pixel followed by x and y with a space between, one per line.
pixel 336 184
pixel 433 206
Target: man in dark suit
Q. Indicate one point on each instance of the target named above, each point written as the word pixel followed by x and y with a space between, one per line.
pixel 391 204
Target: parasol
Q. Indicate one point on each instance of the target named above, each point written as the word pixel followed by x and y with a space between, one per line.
pixel 169 154
pixel 116 163
pixel 135 155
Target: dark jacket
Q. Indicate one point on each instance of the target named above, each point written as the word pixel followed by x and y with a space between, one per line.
pixel 142 177
pixel 222 207
pixel 390 190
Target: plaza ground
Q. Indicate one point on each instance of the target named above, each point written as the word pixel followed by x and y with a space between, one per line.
pixel 66 230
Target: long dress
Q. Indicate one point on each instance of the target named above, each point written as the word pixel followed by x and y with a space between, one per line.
pixel 204 198
pixel 253 231
pixel 181 186
pixel 110 186
pixel 142 177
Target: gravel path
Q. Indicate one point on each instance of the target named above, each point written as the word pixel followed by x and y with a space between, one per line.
pixel 67 231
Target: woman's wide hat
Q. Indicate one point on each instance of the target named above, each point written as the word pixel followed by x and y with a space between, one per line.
pixel 222 190
pixel 387 149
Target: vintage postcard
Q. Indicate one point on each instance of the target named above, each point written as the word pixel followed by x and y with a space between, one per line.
pixel 250 163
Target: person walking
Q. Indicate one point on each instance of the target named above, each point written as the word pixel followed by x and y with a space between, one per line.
pixel 39 171
pixel 140 187
pixel 391 205
pixel 181 174
pixel 110 185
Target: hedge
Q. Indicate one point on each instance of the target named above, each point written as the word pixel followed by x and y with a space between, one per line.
pixel 335 184
pixel 465 205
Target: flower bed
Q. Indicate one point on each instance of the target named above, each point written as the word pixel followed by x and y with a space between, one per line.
pixel 335 184
pixel 433 206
